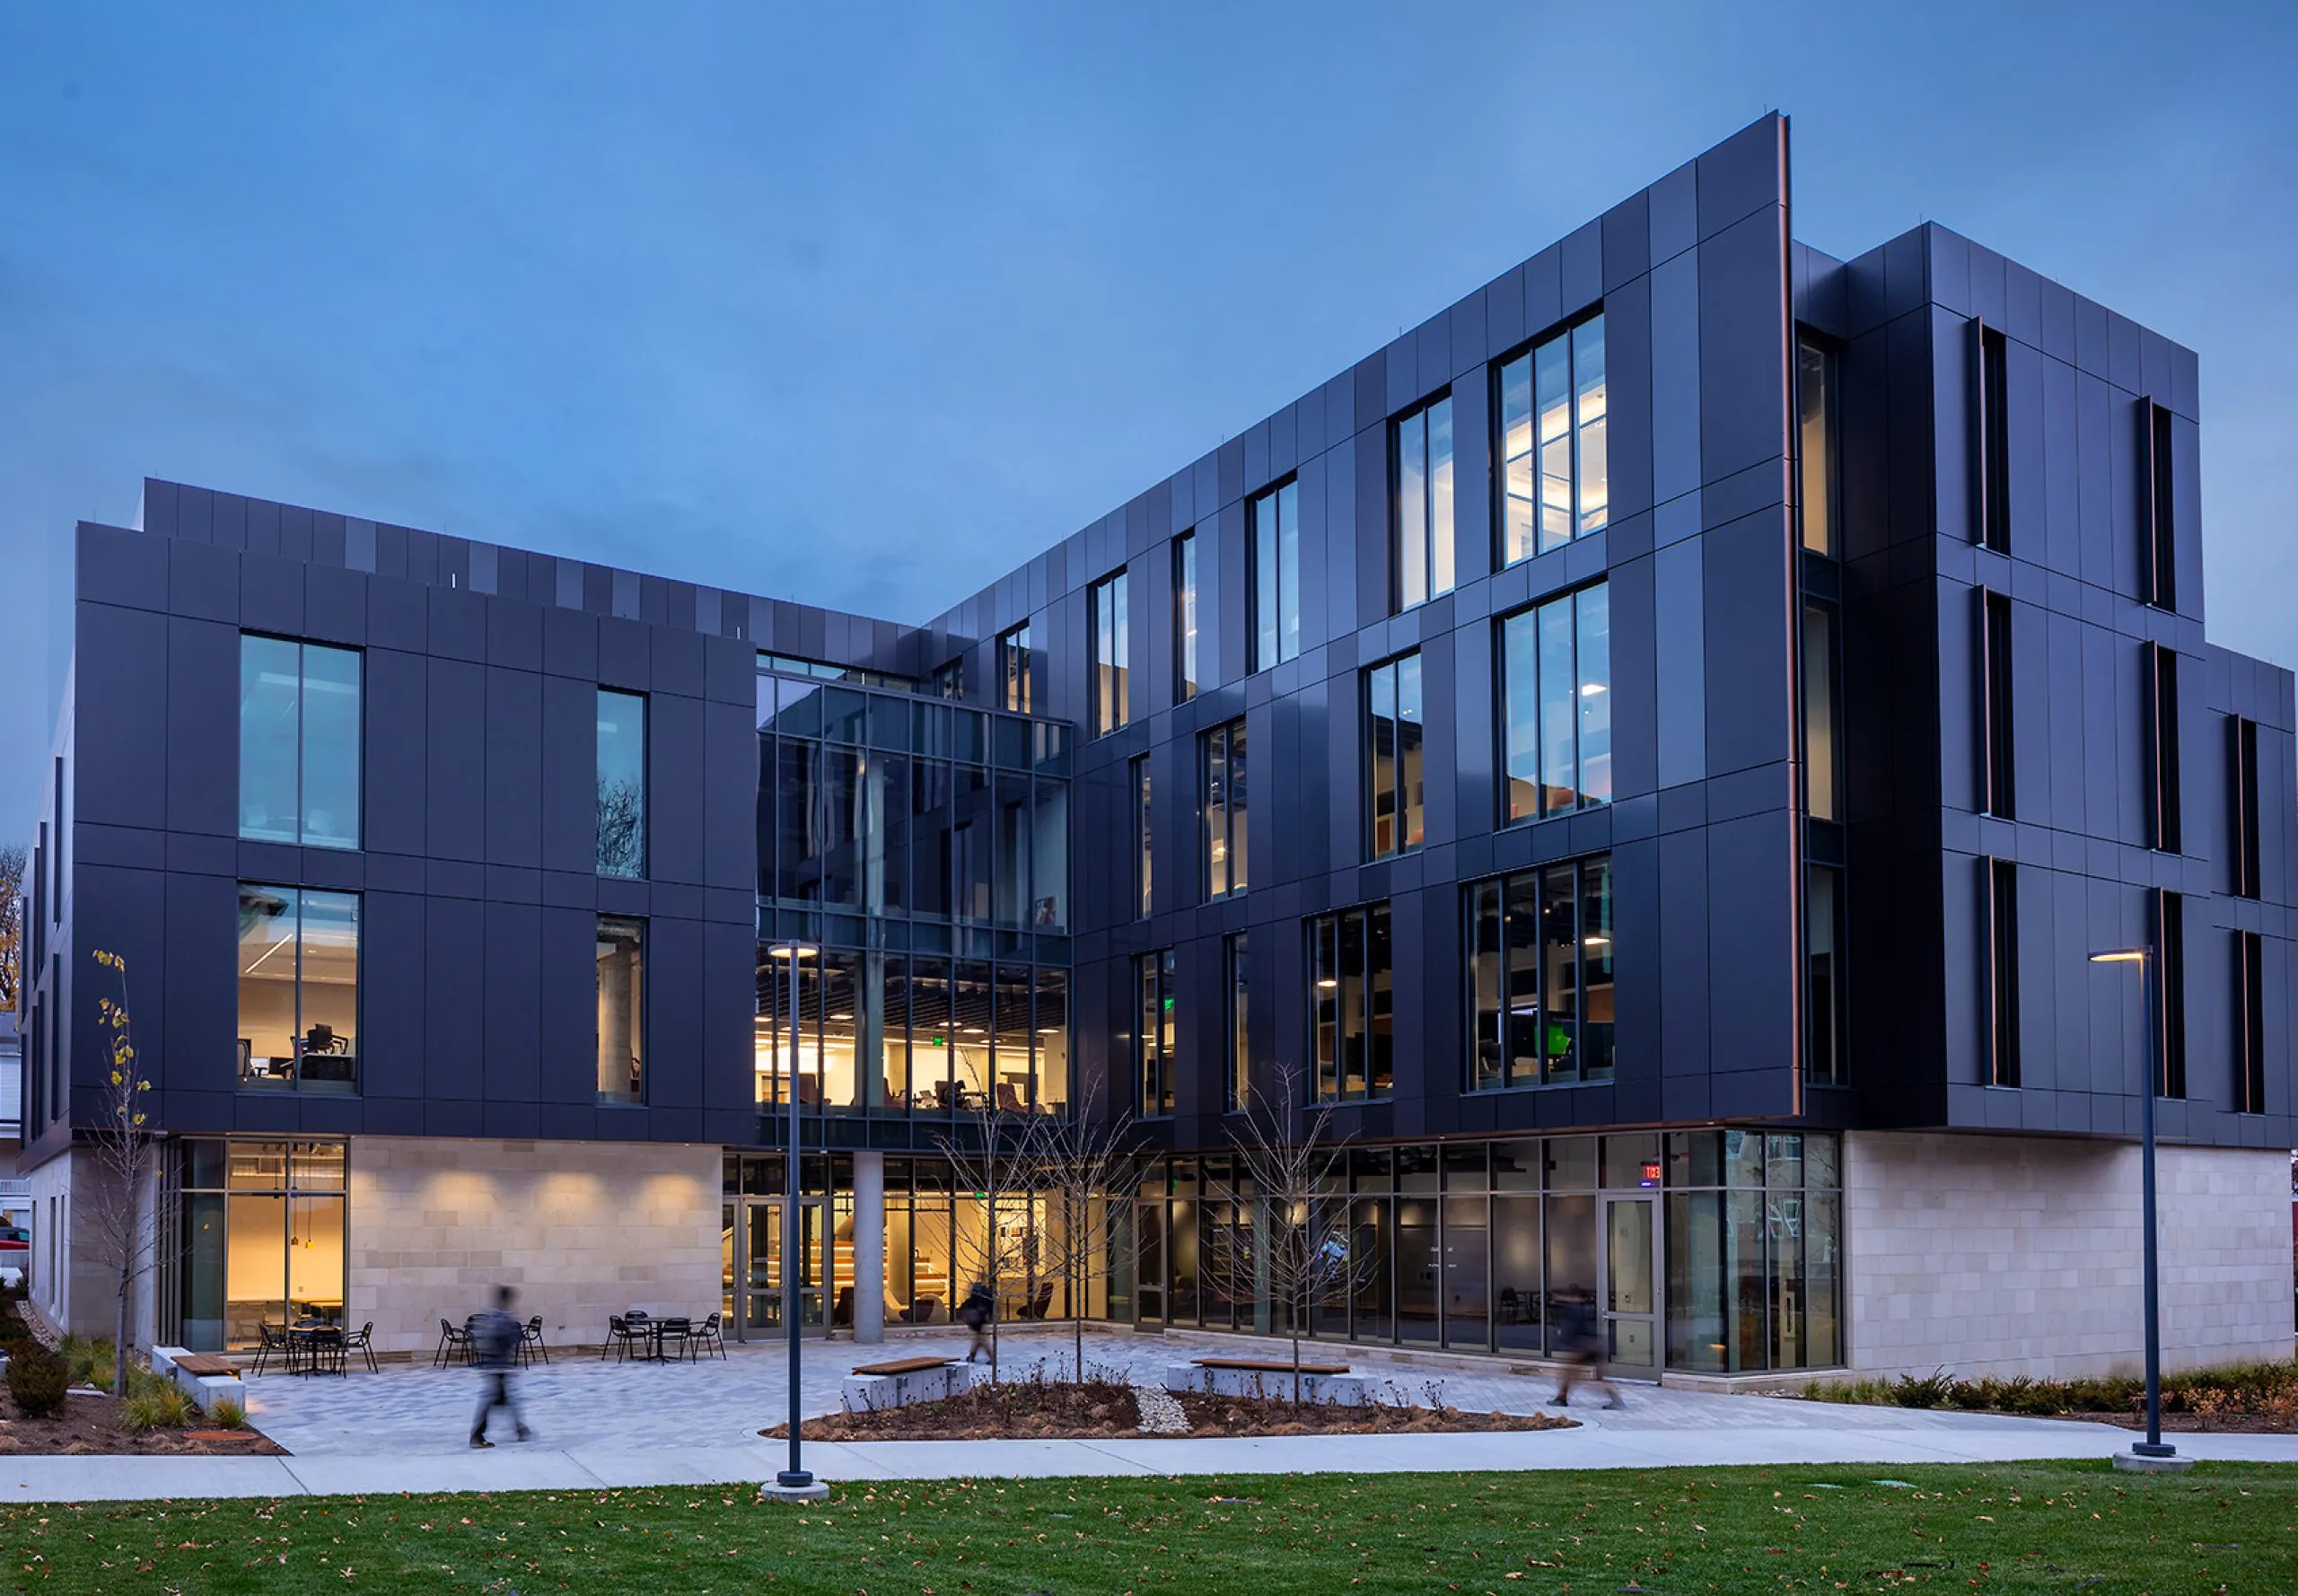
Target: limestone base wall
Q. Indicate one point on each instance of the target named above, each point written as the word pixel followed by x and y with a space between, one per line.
pixel 581 1229
pixel 2010 1255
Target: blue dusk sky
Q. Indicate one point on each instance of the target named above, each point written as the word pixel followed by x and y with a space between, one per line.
pixel 864 305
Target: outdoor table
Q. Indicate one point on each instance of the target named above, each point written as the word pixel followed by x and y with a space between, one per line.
pixel 308 1340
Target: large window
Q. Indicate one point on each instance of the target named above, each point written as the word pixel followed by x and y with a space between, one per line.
pixel 622 1010
pixel 1014 668
pixel 1754 1263
pixel 1240 983
pixel 1185 618
pixel 1273 531
pixel 1816 435
pixel 2163 806
pixel 1352 1001
pixel 299 989
pixel 1155 1032
pixel 1395 757
pixel 622 783
pixel 1555 476
pixel 1997 742
pixel 1822 715
pixel 261 1228
pixel 1420 445
pixel 2159 511
pixel 1556 704
pixel 1222 798
pixel 1112 649
pixel 2249 1022
pixel 1144 848
pixel 2245 737
pixel 1823 975
pixel 1540 977
pixel 2001 883
pixel 1991 439
pixel 298 742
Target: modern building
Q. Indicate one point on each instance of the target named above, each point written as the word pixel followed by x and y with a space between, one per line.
pixel 1654 750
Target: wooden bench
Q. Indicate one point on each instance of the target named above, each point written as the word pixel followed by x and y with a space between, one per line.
pixel 207 1363
pixel 1267 1366
pixel 902 1367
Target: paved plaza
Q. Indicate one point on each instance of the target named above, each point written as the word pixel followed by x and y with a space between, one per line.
pixel 602 1425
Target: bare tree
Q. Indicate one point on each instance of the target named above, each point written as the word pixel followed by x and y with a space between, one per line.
pixel 1089 1173
pixel 12 919
pixel 123 1150
pixel 997 1163
pixel 622 827
pixel 1291 1245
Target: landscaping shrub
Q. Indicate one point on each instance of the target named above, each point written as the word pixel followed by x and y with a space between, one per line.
pixel 37 1381
pixel 227 1414
pixel 2265 1389
pixel 160 1407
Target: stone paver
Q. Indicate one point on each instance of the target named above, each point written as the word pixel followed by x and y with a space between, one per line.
pixel 607 1425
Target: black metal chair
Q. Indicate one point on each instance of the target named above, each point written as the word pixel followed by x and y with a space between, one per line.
pixel 672 1332
pixel 454 1345
pixel 363 1344
pixel 324 1348
pixel 530 1342
pixel 620 1336
pixel 709 1335
pixel 272 1341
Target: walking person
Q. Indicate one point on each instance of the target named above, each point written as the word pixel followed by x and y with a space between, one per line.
pixel 494 1338
pixel 1580 1347
pixel 975 1313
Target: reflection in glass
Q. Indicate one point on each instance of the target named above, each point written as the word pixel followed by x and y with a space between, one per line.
pixel 1555 467
pixel 1395 768
pixel 1112 655
pixel 1815 403
pixel 1423 446
pixel 298 742
pixel 1273 525
pixel 1185 617
pixel 1223 774
pixel 622 783
pixel 621 1010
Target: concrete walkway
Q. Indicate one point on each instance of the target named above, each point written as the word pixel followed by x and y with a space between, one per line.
pixel 600 1426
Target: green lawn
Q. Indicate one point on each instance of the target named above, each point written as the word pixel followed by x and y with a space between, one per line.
pixel 2030 1526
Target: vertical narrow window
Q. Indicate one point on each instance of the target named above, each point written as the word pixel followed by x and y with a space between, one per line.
pixel 2163 829
pixel 1154 1036
pixel 1240 1053
pixel 1221 764
pixel 1274 530
pixel 1822 714
pixel 299 989
pixel 1185 618
pixel 1823 1051
pixel 2245 784
pixel 1553 444
pixel 1395 757
pixel 2158 508
pixel 2249 1022
pixel 1487 963
pixel 1816 445
pixel 1996 741
pixel 622 1009
pixel 1112 644
pixel 1556 704
pixel 298 742
pixel 1991 439
pixel 1420 447
pixel 622 783
pixel 2171 994
pixel 1144 842
pixel 1352 997
pixel 1540 987
pixel 2003 972
pixel 1013 664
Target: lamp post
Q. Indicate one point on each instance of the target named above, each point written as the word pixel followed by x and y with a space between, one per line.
pixel 794 1483
pixel 2151 1453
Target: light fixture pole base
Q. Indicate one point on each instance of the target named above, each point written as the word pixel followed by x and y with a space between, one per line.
pixel 2138 1462
pixel 807 1488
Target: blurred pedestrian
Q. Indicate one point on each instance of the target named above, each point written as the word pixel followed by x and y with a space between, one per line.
pixel 975 1313
pixel 494 1338
pixel 1580 1347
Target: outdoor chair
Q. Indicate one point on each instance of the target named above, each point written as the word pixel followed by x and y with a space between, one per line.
pixel 454 1345
pixel 620 1336
pixel 530 1341
pixel 672 1332
pixel 708 1336
pixel 841 1312
pixel 271 1340
pixel 363 1344
pixel 1040 1302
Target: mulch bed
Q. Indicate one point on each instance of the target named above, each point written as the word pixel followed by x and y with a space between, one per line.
pixel 2248 1424
pixel 90 1427
pixel 1104 1409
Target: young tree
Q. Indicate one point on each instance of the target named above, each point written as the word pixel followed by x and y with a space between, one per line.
pixel 996 1159
pixel 1291 1245
pixel 123 1152
pixel 1089 1172
pixel 11 920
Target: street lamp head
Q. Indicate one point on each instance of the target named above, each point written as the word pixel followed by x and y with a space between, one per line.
pixel 791 951
pixel 2120 956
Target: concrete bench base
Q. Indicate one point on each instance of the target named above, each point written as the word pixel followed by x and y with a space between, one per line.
pixel 1347 1390
pixel 206 1390
pixel 871 1393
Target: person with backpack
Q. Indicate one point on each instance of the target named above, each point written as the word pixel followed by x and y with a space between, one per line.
pixel 975 1313
pixel 494 1338
pixel 1580 1347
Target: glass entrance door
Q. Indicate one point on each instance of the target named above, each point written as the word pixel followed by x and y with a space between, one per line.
pixel 1631 1300
pixel 763 1293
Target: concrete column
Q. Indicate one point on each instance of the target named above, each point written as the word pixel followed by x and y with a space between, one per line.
pixel 869 1247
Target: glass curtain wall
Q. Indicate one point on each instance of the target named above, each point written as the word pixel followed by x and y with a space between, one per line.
pixel 260 1239
pixel 1754 1245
